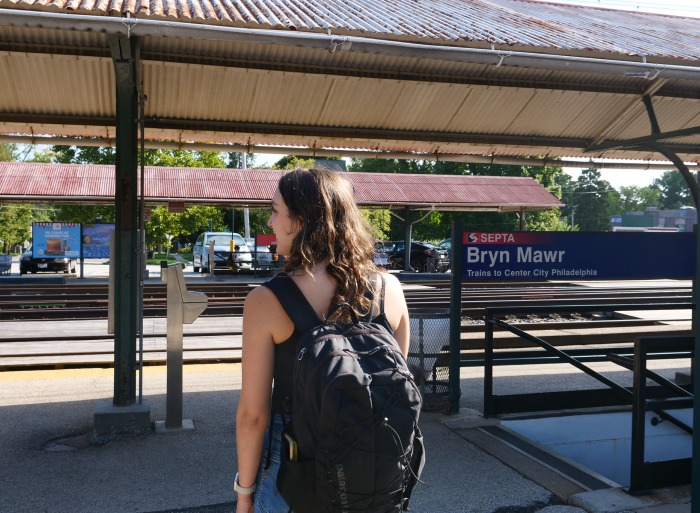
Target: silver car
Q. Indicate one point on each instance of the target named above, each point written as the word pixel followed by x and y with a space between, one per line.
pixel 224 258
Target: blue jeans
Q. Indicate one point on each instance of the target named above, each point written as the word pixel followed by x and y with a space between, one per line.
pixel 267 498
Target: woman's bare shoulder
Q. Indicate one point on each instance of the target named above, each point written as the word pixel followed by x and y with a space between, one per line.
pixel 263 314
pixel 390 280
pixel 260 297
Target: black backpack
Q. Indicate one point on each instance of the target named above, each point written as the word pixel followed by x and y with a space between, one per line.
pixel 354 415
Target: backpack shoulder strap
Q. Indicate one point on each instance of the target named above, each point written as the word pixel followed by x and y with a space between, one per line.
pixel 293 301
pixel 371 293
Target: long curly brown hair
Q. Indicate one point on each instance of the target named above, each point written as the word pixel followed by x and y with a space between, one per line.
pixel 332 228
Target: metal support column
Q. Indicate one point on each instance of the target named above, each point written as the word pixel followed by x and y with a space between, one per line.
pixel 455 317
pixel 123 415
pixel 658 146
pixel 126 220
pixel 408 228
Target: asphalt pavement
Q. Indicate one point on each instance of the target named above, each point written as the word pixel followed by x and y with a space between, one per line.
pixel 47 463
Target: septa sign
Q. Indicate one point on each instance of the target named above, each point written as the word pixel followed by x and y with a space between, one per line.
pixel 577 255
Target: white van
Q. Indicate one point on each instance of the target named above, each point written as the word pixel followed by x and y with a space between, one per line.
pixel 243 260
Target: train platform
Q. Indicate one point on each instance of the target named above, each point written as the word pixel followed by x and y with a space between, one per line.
pixel 48 463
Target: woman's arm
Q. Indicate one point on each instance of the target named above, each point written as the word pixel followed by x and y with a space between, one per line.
pixel 397 312
pixel 254 406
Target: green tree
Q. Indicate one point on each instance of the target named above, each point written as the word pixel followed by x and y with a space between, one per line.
pixel 637 199
pixel 235 160
pixel 8 152
pixel 15 225
pixel 379 221
pixel 184 158
pixel 293 162
pixel 674 190
pixel 85 213
pixel 162 224
pixel 83 154
pixel 593 200
pixel 195 219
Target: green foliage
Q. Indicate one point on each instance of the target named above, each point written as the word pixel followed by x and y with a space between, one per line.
pixel 184 158
pixel 15 225
pixel 292 162
pixel 235 160
pixel 162 224
pixel 637 199
pixel 379 221
pixel 152 157
pixel 193 221
pixel 674 190
pixel 391 166
pixel 593 202
pixel 8 152
pixel 159 257
pixel 83 155
pixel 85 213
pixel 258 218
pixel 546 221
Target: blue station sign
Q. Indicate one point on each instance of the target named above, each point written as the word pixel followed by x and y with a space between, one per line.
pixel 577 255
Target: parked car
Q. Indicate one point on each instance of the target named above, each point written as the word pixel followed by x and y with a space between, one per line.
pixel 381 254
pixel 425 257
pixel 262 256
pixel 446 245
pixel 240 259
pixel 29 264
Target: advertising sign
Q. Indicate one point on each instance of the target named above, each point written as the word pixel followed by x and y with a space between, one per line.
pixel 96 240
pixel 56 240
pixel 577 255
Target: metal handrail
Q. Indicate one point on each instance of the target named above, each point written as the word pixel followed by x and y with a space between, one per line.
pixel 491 321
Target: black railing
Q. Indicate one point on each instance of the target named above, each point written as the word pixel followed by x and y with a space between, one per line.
pixel 615 394
pixel 644 475
pixel 647 475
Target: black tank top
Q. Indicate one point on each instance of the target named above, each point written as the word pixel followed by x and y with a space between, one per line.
pixel 285 352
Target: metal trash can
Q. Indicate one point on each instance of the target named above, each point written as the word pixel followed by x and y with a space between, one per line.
pixel 429 356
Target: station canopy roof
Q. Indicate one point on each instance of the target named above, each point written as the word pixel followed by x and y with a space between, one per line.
pixel 87 183
pixel 468 80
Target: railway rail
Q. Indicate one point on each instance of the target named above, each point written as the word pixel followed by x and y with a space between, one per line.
pixel 65 325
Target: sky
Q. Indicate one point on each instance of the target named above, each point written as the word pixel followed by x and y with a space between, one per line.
pixel 622 177
pixel 689 8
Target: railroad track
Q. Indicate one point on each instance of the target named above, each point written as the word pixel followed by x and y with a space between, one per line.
pixel 58 325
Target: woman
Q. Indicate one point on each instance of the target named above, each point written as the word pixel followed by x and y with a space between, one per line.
pixel 329 254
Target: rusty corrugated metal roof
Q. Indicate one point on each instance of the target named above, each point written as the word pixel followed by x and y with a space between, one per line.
pixel 205 90
pixel 95 183
pixel 500 22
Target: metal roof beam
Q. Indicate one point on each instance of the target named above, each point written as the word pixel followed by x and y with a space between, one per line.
pixel 656 137
pixel 339 152
pixel 157 28
pixel 552 82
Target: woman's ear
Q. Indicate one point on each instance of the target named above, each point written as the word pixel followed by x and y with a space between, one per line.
pixel 297 224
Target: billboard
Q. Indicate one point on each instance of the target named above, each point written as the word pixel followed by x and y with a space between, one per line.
pixel 95 240
pixel 56 240
pixel 577 255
